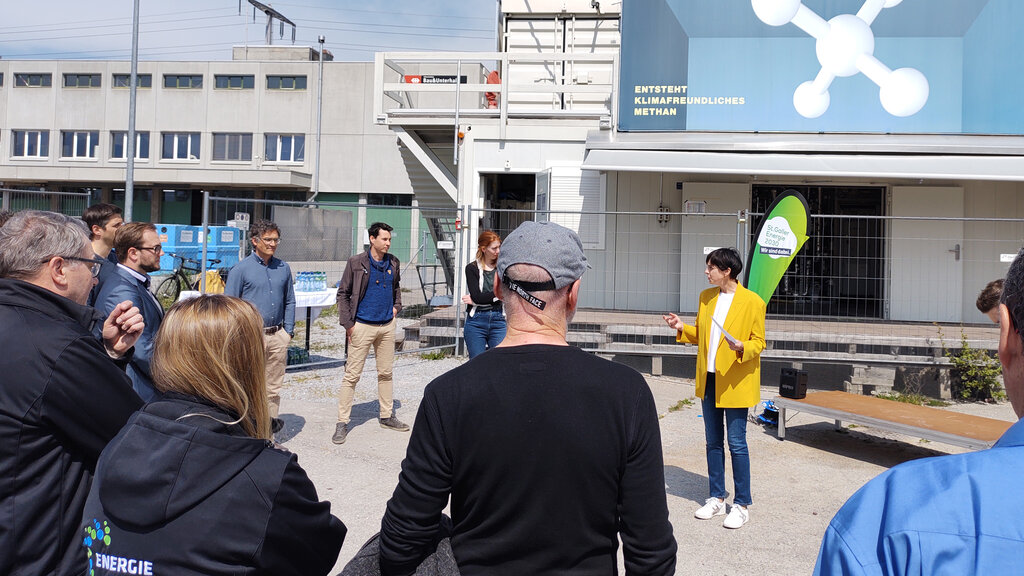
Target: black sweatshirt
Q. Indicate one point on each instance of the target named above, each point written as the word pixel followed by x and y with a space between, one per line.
pixel 180 491
pixel 61 400
pixel 548 453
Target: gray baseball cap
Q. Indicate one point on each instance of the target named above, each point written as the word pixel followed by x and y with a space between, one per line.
pixel 546 244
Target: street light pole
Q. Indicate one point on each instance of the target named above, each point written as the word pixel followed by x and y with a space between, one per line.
pixel 319 119
pixel 129 178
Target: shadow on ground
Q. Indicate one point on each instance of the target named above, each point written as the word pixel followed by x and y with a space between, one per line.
pixel 685 484
pixel 363 413
pixel 293 424
pixel 851 443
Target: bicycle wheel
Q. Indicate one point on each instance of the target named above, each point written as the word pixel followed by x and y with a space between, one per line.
pixel 168 290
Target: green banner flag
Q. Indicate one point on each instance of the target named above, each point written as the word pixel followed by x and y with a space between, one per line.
pixel 781 234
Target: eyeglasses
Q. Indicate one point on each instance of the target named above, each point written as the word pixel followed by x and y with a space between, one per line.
pixel 97 263
pixel 271 240
pixel 156 249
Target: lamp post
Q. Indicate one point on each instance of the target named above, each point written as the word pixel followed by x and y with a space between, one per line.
pixel 129 177
pixel 319 119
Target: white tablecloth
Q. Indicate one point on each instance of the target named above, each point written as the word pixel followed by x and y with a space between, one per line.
pixel 315 301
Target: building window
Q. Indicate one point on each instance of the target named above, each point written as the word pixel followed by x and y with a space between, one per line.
pixel 34 80
pixel 125 80
pixel 81 80
pixel 286 148
pixel 78 144
pixel 235 82
pixel 180 146
pixel 119 145
pixel 232 147
pixel 1 78
pixel 31 144
pixel 183 81
pixel 286 82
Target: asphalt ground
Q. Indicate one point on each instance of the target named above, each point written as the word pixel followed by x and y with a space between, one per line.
pixel 798 484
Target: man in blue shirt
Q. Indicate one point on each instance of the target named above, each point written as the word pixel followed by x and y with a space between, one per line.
pixel 369 299
pixel 266 282
pixel 957 514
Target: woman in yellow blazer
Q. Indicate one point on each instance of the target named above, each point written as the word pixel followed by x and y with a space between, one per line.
pixel 728 377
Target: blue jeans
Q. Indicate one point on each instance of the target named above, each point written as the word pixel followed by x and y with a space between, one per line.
pixel 736 426
pixel 484 330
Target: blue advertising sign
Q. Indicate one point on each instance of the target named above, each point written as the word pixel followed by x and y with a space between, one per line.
pixel 883 66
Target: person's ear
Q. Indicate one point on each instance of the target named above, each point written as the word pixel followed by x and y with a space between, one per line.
pixel 573 297
pixel 1010 345
pixel 57 268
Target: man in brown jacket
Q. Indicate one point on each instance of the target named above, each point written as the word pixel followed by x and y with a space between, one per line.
pixel 369 299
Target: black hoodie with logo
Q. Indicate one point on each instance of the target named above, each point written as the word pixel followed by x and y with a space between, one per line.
pixel 180 491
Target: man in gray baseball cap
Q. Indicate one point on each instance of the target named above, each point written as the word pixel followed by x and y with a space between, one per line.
pixel 548 453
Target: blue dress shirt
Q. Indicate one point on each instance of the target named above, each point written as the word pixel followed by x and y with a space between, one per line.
pixel 959 514
pixel 268 286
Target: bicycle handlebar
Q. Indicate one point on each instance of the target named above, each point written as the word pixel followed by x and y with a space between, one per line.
pixel 187 259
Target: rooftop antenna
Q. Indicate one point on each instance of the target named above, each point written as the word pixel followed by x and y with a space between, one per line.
pixel 271 16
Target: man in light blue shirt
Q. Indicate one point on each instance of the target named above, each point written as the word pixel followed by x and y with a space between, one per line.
pixel 266 282
pixel 957 514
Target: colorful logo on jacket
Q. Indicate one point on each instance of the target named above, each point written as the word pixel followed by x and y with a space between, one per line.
pixel 96 533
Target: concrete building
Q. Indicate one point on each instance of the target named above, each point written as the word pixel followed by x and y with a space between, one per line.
pixel 245 127
pixel 682 113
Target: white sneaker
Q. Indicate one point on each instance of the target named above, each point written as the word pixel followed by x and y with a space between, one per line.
pixel 738 516
pixel 711 508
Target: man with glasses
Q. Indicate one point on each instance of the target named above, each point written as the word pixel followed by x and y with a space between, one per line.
pixel 956 514
pixel 63 395
pixel 138 252
pixel 266 282
pixel 103 221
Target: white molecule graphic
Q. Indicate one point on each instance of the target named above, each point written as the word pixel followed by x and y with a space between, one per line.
pixel 845 46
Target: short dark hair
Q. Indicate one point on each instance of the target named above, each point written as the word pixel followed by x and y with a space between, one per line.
pixel 989 297
pixel 1013 292
pixel 376 227
pixel 130 236
pixel 99 215
pixel 726 259
pixel 261 226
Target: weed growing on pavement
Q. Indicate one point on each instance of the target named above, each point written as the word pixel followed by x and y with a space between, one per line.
pixel 685 402
pixel 436 354
pixel 912 398
pixel 977 372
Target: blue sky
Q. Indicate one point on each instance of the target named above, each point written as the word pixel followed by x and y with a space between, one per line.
pixel 206 29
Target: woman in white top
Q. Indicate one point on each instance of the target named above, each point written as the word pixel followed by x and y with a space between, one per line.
pixel 729 333
pixel 485 318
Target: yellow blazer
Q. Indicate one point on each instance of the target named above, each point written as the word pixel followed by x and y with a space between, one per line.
pixel 737 378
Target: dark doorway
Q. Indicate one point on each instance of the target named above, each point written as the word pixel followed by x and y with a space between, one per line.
pixel 840 270
pixel 509 199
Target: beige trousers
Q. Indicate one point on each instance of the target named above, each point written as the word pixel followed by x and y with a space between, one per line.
pixel 382 339
pixel 276 345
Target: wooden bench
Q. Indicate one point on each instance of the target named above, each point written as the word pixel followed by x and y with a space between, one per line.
pixel 973 432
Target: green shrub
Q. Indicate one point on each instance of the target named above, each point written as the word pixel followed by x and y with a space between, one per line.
pixel 976 371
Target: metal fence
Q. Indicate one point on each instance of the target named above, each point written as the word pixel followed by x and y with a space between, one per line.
pixel 878 286
pixel 68 203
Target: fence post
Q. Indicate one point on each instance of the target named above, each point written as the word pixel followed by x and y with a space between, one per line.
pixel 206 232
pixel 741 233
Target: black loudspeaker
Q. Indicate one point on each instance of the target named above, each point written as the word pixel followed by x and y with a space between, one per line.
pixel 793 383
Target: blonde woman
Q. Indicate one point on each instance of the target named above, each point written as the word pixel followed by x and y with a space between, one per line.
pixel 485 318
pixel 193 484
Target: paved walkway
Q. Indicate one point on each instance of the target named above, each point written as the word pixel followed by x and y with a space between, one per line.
pixel 798 485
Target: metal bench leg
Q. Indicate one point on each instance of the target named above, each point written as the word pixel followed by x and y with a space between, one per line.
pixel 781 428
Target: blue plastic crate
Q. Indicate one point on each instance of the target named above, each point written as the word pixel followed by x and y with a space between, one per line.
pixel 223 236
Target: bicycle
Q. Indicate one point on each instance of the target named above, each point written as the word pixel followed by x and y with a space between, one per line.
pixel 184 277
